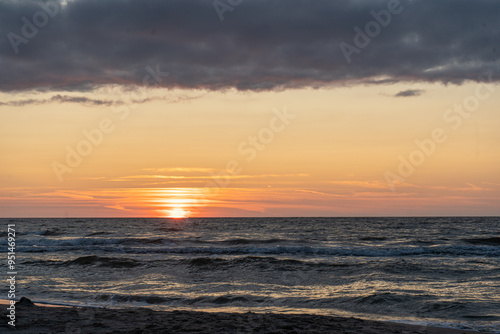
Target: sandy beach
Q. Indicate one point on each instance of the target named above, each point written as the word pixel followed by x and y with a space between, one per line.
pixel 41 319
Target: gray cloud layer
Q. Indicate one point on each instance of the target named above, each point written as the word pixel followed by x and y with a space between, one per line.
pixel 260 45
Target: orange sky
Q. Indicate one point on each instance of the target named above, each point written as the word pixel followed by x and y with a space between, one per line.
pixel 338 151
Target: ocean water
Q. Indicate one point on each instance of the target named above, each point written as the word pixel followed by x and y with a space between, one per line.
pixel 441 271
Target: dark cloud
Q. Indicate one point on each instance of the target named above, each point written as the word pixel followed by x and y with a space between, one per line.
pixel 260 45
pixel 409 93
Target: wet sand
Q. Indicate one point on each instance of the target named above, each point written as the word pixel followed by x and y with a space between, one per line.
pixel 34 319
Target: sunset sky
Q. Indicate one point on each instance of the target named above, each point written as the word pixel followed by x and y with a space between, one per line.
pixel 125 108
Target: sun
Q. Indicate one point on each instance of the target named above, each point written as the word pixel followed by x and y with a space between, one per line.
pixel 177 213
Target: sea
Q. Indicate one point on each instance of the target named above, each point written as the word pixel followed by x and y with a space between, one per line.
pixel 439 271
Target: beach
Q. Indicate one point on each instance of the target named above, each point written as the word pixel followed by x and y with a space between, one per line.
pixel 35 319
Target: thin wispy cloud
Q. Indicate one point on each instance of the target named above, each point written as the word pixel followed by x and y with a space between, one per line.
pixel 410 93
pixel 181 170
pixel 60 99
pixel 205 178
pixel 89 101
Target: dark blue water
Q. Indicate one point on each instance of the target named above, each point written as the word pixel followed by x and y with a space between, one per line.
pixel 440 271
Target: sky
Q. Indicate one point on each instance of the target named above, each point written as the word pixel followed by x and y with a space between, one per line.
pixel 200 108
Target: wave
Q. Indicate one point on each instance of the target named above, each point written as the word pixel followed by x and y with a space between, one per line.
pixel 333 251
pixel 202 263
pixel 49 232
pixel 161 247
pixel 104 262
pixel 97 233
pixel 228 299
pixel 238 241
pixel 217 300
pixel 90 241
pixel 43 262
pixel 139 299
pixel 373 238
pixel 494 241
pixel 170 229
pixel 388 298
pixel 242 241
pixel 262 263
pixel 442 307
pixel 421 304
pixel 248 246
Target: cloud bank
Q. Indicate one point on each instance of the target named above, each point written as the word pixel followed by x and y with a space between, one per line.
pixel 260 44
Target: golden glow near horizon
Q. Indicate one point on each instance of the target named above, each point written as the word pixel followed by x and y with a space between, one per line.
pixel 303 152
pixel 177 213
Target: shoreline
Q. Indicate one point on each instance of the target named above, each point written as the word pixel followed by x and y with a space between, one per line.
pixel 50 318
